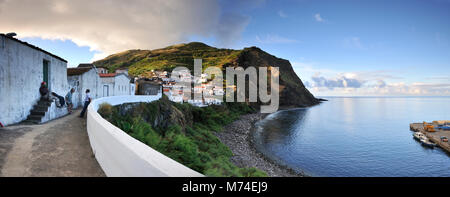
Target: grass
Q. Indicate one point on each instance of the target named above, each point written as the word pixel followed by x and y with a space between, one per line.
pixel 193 144
pixel 140 62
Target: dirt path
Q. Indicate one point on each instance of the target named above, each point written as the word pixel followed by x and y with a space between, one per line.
pixel 59 148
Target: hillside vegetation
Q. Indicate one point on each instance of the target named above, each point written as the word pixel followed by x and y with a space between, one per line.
pixel 141 61
pixel 183 132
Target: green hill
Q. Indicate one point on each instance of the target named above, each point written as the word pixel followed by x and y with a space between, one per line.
pixel 292 91
pixel 141 61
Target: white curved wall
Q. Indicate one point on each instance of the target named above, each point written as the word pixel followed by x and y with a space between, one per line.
pixel 120 154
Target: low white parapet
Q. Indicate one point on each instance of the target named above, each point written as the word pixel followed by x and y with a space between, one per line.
pixel 120 154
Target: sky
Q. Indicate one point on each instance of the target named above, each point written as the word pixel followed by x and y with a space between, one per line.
pixel 337 48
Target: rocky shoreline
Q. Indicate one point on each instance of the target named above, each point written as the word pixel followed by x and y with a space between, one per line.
pixel 237 136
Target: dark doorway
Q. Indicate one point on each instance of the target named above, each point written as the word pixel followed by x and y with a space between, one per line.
pixel 105 90
pixel 46 71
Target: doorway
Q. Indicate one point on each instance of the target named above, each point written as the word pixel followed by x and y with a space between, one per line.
pixel 105 90
pixel 45 70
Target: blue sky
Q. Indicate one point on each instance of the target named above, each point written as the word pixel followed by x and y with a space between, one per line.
pixel 338 48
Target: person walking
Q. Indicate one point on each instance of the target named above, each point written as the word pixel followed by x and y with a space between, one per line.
pixel 69 100
pixel 87 100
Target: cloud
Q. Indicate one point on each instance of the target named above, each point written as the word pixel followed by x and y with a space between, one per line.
pixel 307 84
pixel 282 14
pixel 353 43
pixel 329 82
pixel 418 88
pixel 357 84
pixel 111 26
pixel 380 84
pixel 439 78
pixel 340 82
pixel 230 28
pixel 275 39
pixel 318 18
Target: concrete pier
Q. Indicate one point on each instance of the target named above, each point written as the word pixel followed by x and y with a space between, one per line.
pixel 433 136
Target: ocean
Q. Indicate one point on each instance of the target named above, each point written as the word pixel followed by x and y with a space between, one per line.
pixel 356 137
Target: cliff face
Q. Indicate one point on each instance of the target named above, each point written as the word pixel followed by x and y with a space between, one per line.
pixel 159 114
pixel 292 91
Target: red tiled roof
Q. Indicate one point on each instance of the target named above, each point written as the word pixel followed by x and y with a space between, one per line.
pixel 107 74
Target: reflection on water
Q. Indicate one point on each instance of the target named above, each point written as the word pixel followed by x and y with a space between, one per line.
pixel 355 137
pixel 283 127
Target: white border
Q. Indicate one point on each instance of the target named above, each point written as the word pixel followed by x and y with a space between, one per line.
pixel 120 155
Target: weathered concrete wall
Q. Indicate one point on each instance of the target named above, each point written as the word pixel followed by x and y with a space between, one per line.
pixel 21 73
pixel 88 80
pixel 54 112
pixel 110 91
pixel 120 154
pixel 75 82
pixel 148 88
pixel 121 85
pixel 118 85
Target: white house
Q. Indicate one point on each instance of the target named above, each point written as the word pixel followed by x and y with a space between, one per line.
pixel 81 79
pixel 23 67
pixel 115 84
pixel 122 70
pixel 100 69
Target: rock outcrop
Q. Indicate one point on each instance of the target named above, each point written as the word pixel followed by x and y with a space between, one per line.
pixel 159 114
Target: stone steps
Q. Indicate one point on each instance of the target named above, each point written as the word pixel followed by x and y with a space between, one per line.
pixel 40 108
pixel 35 117
pixel 38 111
pixel 44 103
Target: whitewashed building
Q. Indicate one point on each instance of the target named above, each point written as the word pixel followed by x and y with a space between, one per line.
pixel 81 79
pixel 99 69
pixel 114 84
pixel 122 70
pixel 23 67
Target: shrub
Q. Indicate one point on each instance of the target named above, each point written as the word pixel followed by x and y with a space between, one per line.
pixel 194 146
pixel 105 110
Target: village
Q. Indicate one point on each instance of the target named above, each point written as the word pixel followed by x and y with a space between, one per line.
pixel 152 81
pixel 24 67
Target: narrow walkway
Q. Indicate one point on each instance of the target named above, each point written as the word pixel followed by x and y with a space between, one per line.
pixel 59 148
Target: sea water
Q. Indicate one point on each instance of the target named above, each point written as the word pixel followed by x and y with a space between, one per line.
pixel 356 137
